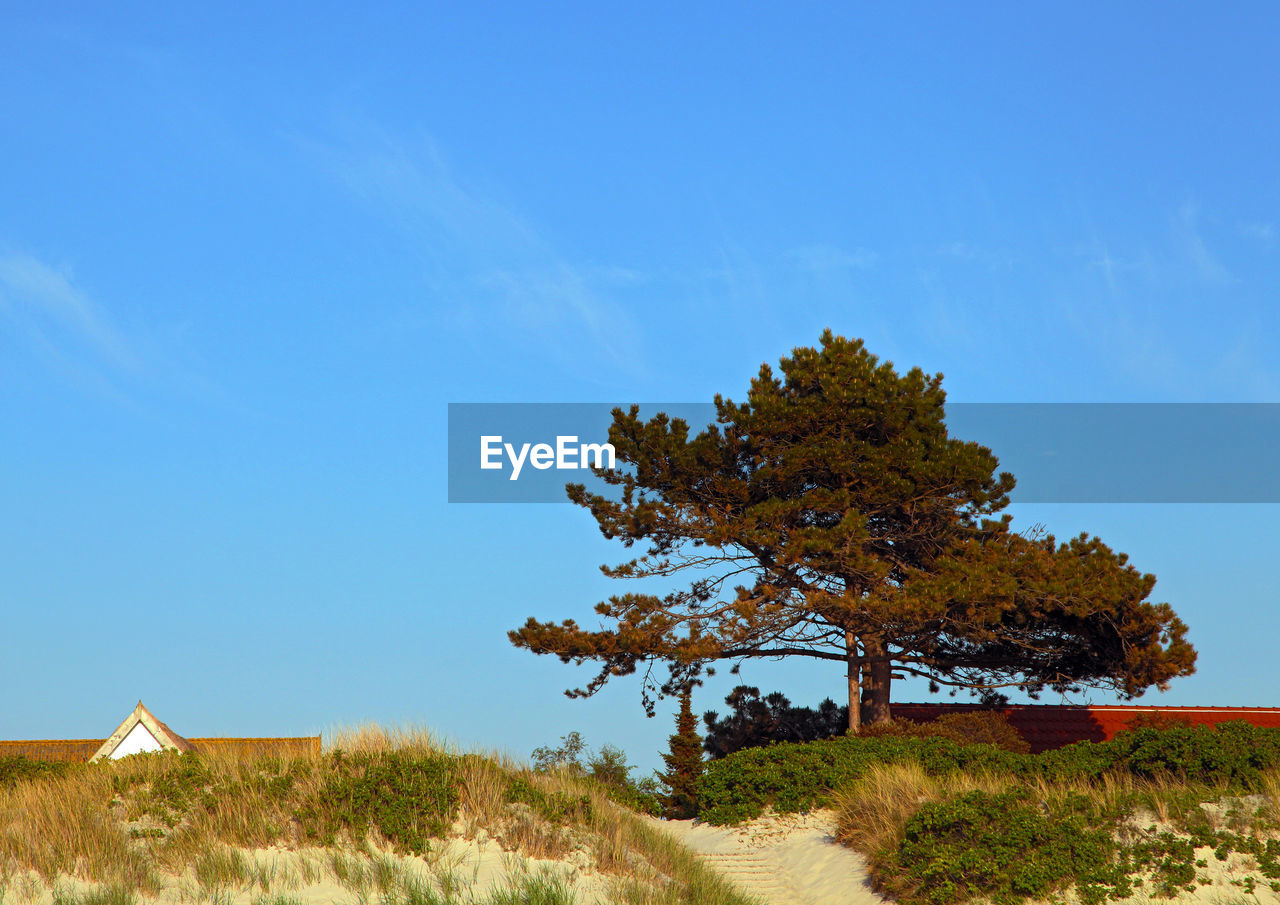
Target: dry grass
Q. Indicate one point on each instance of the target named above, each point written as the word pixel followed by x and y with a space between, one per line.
pixel 194 828
pixel 371 738
pixel 62 826
pixel 1271 789
pixel 871 814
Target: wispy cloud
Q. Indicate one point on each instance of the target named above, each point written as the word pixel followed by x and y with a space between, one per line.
pixel 958 250
pixel 991 260
pixel 134 364
pixel 57 320
pixel 827 259
pixel 44 299
pixel 501 271
pixel 1188 234
pixel 1115 269
pixel 1164 310
pixel 1263 231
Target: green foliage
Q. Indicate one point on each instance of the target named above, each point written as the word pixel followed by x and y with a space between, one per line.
pixel 1015 845
pixel 219 867
pixel 568 756
pixel 608 767
pixel 1233 754
pixel 978 727
pixel 409 797
pixel 1003 847
pixel 542 888
pixel 554 807
pixel 181 785
pixel 795 777
pixel 644 795
pixel 684 763
pixel 14 770
pixel 831 515
pixel 754 720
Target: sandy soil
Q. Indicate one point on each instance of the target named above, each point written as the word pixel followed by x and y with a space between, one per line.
pixel 307 877
pixel 779 860
pixel 782 860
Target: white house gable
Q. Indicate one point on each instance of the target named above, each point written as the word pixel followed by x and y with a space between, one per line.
pixel 138 741
pixel 140 733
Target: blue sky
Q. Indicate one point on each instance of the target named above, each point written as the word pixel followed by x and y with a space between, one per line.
pixel 247 257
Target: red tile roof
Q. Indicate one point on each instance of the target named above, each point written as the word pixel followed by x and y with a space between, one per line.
pixel 80 750
pixel 1046 726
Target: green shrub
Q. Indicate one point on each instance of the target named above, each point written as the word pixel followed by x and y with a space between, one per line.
pixel 796 777
pixel 1025 843
pixel 554 807
pixel 608 767
pixel 409 797
pixel 14 770
pixel 978 727
pixel 1003 847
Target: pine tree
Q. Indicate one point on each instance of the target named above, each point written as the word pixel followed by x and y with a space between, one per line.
pixel 832 516
pixel 684 762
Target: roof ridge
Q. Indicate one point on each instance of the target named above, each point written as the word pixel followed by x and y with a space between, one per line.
pixel 165 736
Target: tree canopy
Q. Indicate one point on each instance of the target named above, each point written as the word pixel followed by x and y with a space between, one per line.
pixel 832 516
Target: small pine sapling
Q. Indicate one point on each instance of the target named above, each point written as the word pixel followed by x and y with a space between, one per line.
pixel 684 762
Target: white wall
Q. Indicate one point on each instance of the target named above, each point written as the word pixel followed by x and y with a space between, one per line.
pixel 138 740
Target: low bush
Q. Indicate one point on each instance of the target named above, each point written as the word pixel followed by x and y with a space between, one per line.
pixel 410 797
pixel 552 806
pixel 1032 840
pixel 1005 847
pixel 978 727
pixel 797 777
pixel 14 770
pixel 1234 756
pixel 608 767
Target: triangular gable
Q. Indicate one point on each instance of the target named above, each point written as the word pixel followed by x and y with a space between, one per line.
pixel 143 732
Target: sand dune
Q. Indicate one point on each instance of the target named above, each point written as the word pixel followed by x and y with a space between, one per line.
pixel 782 860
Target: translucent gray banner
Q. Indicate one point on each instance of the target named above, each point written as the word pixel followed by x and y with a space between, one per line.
pixel 1059 452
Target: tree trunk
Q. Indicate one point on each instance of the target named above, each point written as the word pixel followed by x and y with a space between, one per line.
pixel 855 680
pixel 876 678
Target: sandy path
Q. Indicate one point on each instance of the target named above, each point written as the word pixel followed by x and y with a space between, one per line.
pixel 789 860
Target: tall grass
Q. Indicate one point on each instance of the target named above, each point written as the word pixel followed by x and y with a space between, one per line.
pixel 187 826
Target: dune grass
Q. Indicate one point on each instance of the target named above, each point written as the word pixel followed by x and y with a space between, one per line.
pixel 372 815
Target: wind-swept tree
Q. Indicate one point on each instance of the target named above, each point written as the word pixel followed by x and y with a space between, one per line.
pixel 831 516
